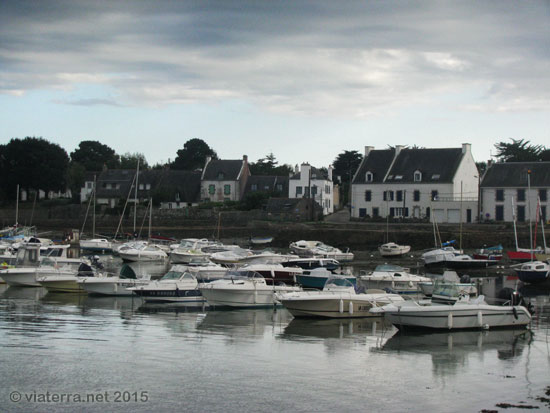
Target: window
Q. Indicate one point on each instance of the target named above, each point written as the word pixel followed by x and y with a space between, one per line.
pixel 521 195
pixel 391 195
pixel 416 195
pixel 266 187
pixel 398 177
pixel 298 190
pixel 417 176
pixel 89 185
pixel 435 194
pixel 543 212
pixel 177 196
pixel 368 196
pixel 385 196
pixel 542 195
pixel 117 186
pixel 226 189
pixel 500 195
pixel 306 191
pixel 375 212
pixel 521 213
pixel 399 196
pixel 327 189
pixel 499 213
pixel 140 187
pixel 221 175
pixel 362 212
pixel 211 189
pixel 254 187
pixel 313 190
pixel 147 186
pixel 369 176
pixel 388 195
pixel 435 177
pixel 280 187
pixel 392 212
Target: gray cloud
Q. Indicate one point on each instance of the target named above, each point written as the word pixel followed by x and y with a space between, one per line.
pixel 353 58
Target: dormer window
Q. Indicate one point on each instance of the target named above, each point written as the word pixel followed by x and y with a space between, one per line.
pixel 390 177
pixel 398 177
pixel 221 175
pixel 369 176
pixel 417 176
pixel 435 177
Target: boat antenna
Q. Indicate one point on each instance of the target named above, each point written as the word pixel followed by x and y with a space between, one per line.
pixel 542 225
pixel 87 210
pixel 94 195
pixel 515 227
pixel 17 208
pixel 150 215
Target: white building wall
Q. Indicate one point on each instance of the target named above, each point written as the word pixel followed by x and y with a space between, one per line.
pixel 219 195
pixel 325 189
pixel 467 177
pixel 489 203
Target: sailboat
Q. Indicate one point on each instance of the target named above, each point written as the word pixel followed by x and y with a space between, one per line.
pixel 102 245
pixel 391 249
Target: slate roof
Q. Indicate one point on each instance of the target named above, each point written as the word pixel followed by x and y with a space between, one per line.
pixel 436 165
pixel 123 177
pixel 319 174
pixel 222 170
pixel 378 163
pixel 514 174
pixel 263 181
pixel 187 184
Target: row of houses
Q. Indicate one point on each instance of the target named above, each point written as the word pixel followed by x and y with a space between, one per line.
pixel 441 184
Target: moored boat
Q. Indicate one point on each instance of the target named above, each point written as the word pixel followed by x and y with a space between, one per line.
pixel 534 272
pixel 393 277
pixel 391 249
pixel 318 277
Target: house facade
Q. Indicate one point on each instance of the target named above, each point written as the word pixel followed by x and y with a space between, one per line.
pixel 513 189
pixel 311 182
pixel 435 184
pixel 224 180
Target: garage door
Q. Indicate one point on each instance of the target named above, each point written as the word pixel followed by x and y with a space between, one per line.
pixel 439 215
pixel 453 216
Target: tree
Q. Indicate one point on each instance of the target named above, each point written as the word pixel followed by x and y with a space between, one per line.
pixel 129 161
pixel 519 151
pixel 481 167
pixel 345 165
pixel 93 155
pixel 33 163
pixel 76 174
pixel 193 155
pixel 268 166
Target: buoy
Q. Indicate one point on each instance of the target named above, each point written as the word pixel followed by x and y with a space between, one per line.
pixel 450 321
pixel 351 307
pixel 341 306
pixel 479 319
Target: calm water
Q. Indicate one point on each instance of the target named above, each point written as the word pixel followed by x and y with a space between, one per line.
pixel 258 360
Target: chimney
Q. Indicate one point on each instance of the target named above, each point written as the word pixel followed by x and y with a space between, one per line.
pixel 330 169
pixel 398 149
pixel 296 169
pixel 368 149
pixel 245 158
pixel 466 147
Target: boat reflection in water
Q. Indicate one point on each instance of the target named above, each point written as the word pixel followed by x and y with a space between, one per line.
pixel 304 329
pixel 22 293
pixel 452 350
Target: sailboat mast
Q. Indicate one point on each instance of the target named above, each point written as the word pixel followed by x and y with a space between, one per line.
pixel 514 221
pixel 150 215
pixel 529 208
pixel 136 195
pixel 93 221
pixel 542 227
pixel 460 239
pixel 17 207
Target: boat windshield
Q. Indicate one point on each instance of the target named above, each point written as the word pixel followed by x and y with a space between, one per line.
pixel 337 282
pixel 172 275
pixel 446 288
pixel 243 274
pixel 388 267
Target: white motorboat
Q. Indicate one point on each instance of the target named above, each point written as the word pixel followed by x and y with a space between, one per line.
pixel 67 281
pixel 232 256
pixel 465 313
pixel 393 277
pixel 265 257
pixel 391 249
pixel 204 270
pixel 29 266
pixel 319 249
pixel 112 285
pixel 186 252
pixel 274 273
pixel 242 289
pixel 176 286
pixel 338 299
pixel 311 263
pixel 143 252
pixel 438 256
pixel 102 245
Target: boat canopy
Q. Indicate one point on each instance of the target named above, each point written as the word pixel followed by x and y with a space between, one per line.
pixel 389 268
pixel 172 275
pixel 243 274
pixel 338 282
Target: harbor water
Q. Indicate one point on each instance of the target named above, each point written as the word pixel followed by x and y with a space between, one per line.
pixel 120 354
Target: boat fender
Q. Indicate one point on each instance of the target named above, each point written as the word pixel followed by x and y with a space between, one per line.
pixel 410 284
pixel 341 306
pixel 515 311
pixel 450 321
pixel 480 319
pixel 351 307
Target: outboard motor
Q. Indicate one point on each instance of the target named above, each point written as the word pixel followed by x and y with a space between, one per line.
pixel 514 298
pixel 95 262
pixel 465 279
pixel 84 270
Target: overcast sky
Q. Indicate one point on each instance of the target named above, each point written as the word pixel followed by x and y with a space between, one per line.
pixel 305 80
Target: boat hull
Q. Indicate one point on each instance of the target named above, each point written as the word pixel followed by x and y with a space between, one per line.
pixel 533 277
pixel 19 278
pixel 459 318
pixel 309 281
pixel 329 308
pixel 241 298
pixel 62 286
pixel 193 296
pixel 102 287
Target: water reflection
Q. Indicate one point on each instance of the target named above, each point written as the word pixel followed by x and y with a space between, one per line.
pixel 22 293
pixel 301 329
pixel 451 351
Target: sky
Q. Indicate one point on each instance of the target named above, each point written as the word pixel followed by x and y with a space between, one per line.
pixel 304 80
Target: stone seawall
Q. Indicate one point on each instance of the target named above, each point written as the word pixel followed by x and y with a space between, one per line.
pixel 238 226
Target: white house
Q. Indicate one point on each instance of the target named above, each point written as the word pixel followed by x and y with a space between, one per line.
pixel 506 184
pixel 224 180
pixel 439 183
pixel 309 181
